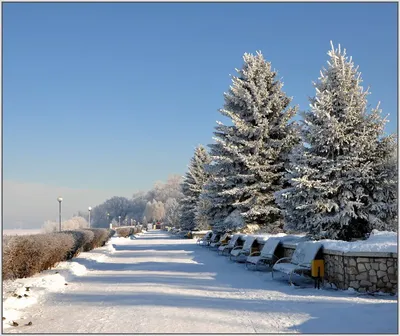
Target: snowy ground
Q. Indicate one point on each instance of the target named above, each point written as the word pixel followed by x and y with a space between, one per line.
pixel 159 284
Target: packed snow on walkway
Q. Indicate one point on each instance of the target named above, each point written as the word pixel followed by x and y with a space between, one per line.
pixel 157 283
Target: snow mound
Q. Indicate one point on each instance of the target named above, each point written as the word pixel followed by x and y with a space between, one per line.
pixel 16 297
pixel 110 247
pixel 119 240
pixel 72 267
pixel 378 241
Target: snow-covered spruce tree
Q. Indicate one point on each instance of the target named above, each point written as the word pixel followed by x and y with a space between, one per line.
pixel 220 204
pixel 263 137
pixel 342 185
pixel 192 187
pixel 202 209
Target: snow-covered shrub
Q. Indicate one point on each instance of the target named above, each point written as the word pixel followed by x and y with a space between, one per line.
pixel 82 238
pixel 101 236
pixel 111 233
pixel 24 256
pixel 123 232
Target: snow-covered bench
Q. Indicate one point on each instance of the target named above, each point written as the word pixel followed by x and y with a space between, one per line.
pixel 266 255
pixel 226 248
pixel 301 260
pixel 214 239
pixel 221 241
pixel 205 239
pixel 240 253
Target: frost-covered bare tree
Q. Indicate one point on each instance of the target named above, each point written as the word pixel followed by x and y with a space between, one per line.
pixel 115 206
pixel 73 223
pixel 159 210
pixel 341 183
pixel 192 187
pixel 149 211
pixel 172 214
pixel 170 189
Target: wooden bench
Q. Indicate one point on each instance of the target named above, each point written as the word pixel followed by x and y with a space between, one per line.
pixel 267 255
pixel 205 239
pixel 221 241
pixel 227 248
pixel 240 253
pixel 214 239
pixel 301 260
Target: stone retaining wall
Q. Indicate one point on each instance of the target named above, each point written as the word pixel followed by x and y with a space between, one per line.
pixel 366 272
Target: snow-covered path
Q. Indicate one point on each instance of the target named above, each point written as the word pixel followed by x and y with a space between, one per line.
pixel 158 284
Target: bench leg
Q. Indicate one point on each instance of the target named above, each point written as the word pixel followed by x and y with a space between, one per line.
pixel 247 265
pixel 290 278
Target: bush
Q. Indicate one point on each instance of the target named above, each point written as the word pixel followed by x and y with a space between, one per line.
pixel 123 232
pixel 24 256
pixel 83 239
pixel 112 233
pixel 101 236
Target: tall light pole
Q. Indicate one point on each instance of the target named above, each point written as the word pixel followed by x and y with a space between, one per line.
pixel 90 209
pixel 59 212
pixel 108 218
pixel 119 220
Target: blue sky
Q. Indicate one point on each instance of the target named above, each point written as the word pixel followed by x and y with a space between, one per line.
pixel 116 96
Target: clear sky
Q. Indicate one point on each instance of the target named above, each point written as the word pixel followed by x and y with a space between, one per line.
pixel 111 97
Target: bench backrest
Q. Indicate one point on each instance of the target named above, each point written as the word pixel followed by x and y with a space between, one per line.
pixel 208 235
pixel 224 237
pixel 214 235
pixel 270 247
pixel 233 240
pixel 305 253
pixel 248 243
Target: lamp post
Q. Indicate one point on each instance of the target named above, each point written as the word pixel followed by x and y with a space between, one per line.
pixel 59 212
pixel 119 220
pixel 90 209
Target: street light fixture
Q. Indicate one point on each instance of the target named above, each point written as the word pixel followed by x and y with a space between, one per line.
pixel 119 220
pixel 90 209
pixel 59 212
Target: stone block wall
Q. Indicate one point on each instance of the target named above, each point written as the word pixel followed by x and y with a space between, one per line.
pixel 365 272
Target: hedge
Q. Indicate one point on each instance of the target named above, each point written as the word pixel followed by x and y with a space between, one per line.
pixel 24 256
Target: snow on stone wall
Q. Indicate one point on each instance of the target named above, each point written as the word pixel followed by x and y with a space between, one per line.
pixel 365 272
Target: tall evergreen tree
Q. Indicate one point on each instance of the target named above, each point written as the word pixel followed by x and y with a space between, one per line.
pixel 220 204
pixel 256 148
pixel 341 183
pixel 192 187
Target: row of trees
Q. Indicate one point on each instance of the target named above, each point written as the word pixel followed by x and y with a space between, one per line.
pixel 157 204
pixel 74 223
pixel 333 174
